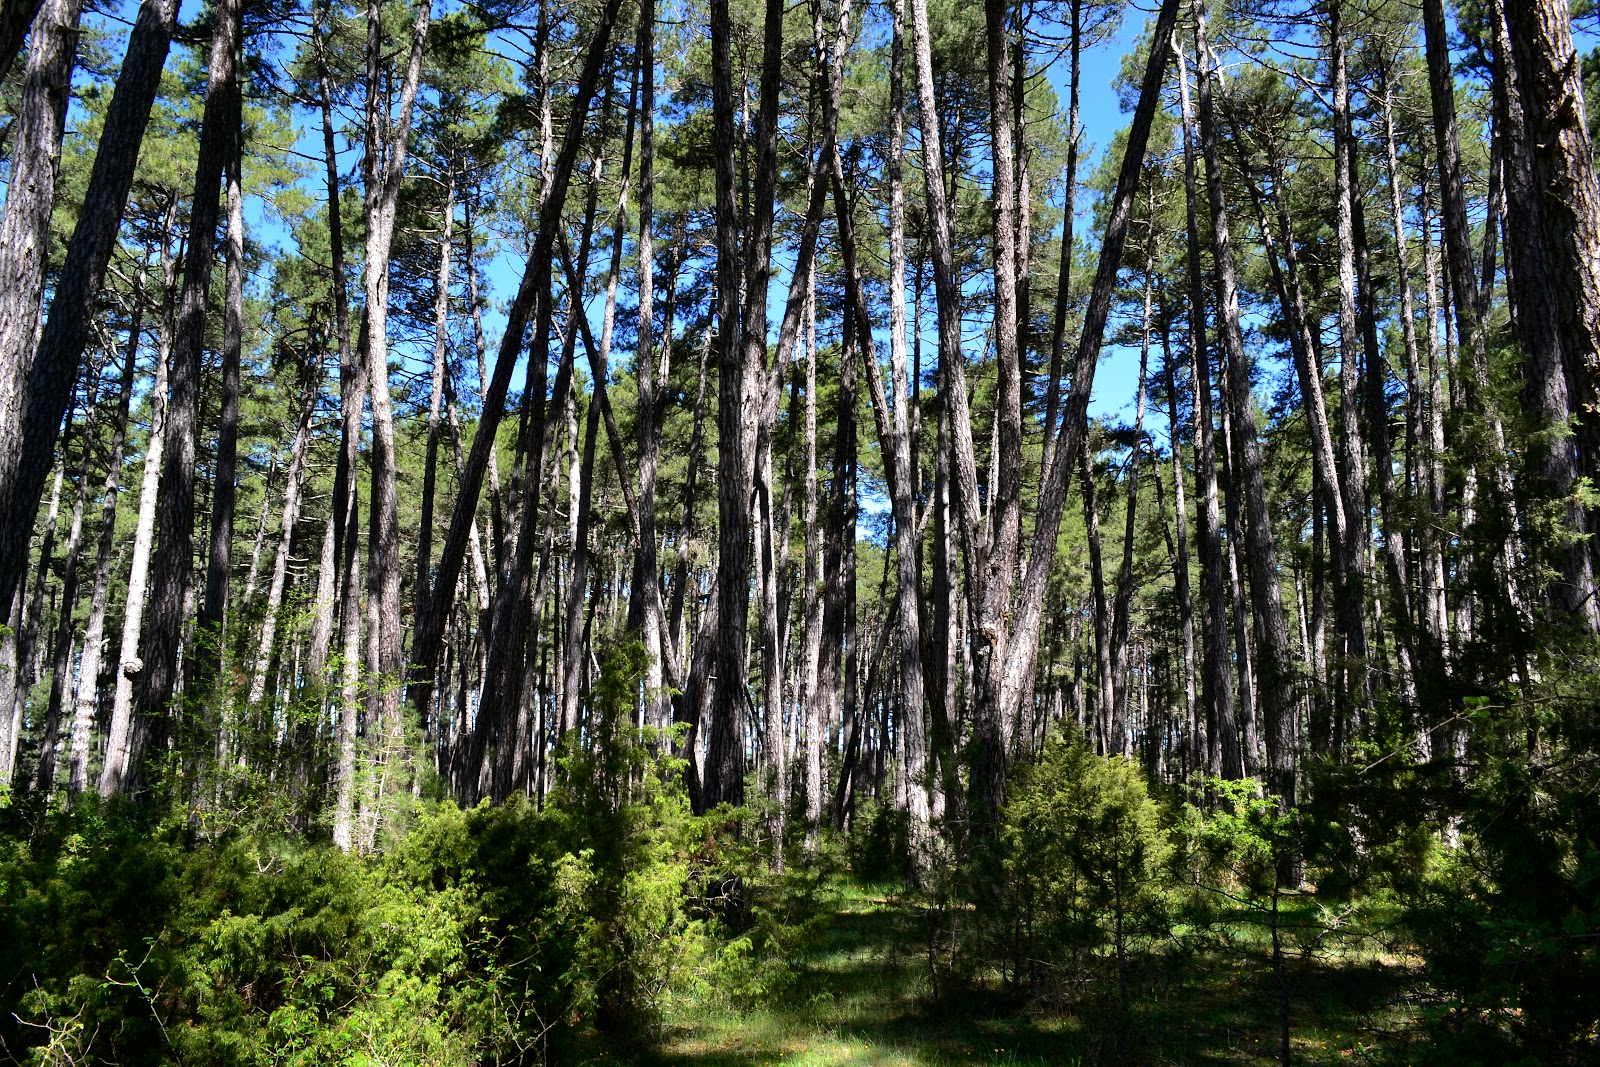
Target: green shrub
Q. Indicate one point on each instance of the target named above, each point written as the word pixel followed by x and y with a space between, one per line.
pixel 1083 859
pixel 489 935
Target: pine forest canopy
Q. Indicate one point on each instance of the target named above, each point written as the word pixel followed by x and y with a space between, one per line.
pixel 374 380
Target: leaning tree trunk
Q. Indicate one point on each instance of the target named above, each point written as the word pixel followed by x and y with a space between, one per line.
pixel 1022 645
pixel 428 632
pixel 28 441
pixel 35 152
pixel 16 16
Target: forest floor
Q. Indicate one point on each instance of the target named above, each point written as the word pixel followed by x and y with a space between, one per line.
pixel 863 1001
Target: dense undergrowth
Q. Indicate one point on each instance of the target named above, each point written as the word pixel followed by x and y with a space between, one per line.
pixel 1107 924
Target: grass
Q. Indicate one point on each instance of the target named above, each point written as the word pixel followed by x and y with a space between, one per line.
pixel 864 1000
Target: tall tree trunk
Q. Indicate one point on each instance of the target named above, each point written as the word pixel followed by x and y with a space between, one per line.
pixel 813 599
pixel 1447 148
pixel 578 565
pixel 1100 732
pixel 115 772
pixel 742 344
pixel 26 668
pixel 1277 672
pixel 35 157
pixel 311 387
pixel 384 166
pixel 1022 646
pixel 441 359
pixel 913 708
pixel 87 695
pixel 1058 333
pixel 1121 615
pixel 209 635
pixel 173 562
pixel 1217 686
pixel 644 607
pixel 29 433
pixel 429 629
pixel 44 775
pixel 1196 725
pixel 993 717
pixel 1557 279
pixel 1352 480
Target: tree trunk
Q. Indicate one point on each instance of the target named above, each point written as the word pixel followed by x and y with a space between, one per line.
pixel 35 156
pixel 1352 480
pixel 913 708
pixel 644 607
pixel 1100 732
pixel 384 166
pixel 26 669
pixel 1556 279
pixel 87 694
pixel 173 562
pixel 28 440
pixel 1217 686
pixel 1058 333
pixel 1277 672
pixel 1121 615
pixel 993 716
pixel 16 16
pixel 1022 648
pixel 441 359
pixel 429 629
pixel 207 654
pixel 114 774
pixel 44 775
pixel 311 387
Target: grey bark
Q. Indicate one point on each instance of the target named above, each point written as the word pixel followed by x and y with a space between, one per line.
pixel 27 443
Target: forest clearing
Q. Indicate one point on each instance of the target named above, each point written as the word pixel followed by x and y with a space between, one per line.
pixel 751 532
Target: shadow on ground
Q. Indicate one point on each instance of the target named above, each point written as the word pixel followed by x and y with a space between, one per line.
pixel 865 1001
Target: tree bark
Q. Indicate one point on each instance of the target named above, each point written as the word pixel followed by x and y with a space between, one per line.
pixel 115 772
pixel 429 629
pixel 1022 645
pixel 1277 674
pixel 1557 280
pixel 173 562
pixel 1217 687
pixel 28 435
pixel 35 156
pixel 207 654
pixel 87 694
pixel 16 17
